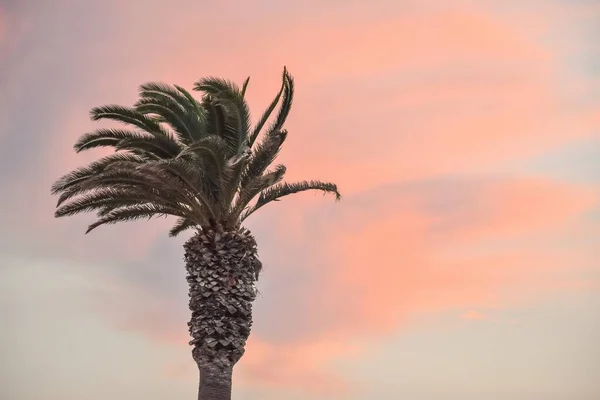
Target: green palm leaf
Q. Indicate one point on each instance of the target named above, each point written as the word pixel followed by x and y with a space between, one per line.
pixel 82 173
pixel 229 109
pixel 263 155
pixel 133 213
pixel 129 116
pixel 275 192
pixel 198 160
pixel 181 225
pixel 111 196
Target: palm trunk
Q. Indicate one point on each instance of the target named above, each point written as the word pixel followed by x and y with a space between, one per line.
pixel 215 384
pixel 222 268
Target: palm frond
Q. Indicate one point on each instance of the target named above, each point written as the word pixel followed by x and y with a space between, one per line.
pixel 195 104
pixel 185 181
pixel 263 155
pixel 275 192
pixel 258 184
pixel 166 112
pixel 211 147
pixel 129 116
pixel 265 116
pixel 215 118
pixel 181 225
pixel 200 161
pixel 229 110
pixel 245 86
pixel 113 197
pixel 118 177
pixel 272 177
pixel 232 177
pixel 204 163
pixel 286 103
pixel 108 208
pixel 236 121
pixel 214 85
pixel 197 114
pixel 82 173
pixel 112 137
pixel 134 212
pixel 175 106
pixel 164 93
pixel 160 146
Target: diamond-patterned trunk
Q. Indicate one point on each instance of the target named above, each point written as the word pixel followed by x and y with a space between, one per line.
pixel 222 268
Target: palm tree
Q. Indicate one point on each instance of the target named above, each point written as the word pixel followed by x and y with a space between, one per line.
pixel 202 162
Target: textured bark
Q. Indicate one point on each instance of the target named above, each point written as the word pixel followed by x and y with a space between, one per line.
pixel 222 268
pixel 215 384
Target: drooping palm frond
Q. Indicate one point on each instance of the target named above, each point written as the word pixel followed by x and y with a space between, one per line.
pixel 162 111
pixel 237 121
pixel 181 225
pixel 212 148
pixel 144 143
pixel 158 183
pixel 134 212
pixel 174 106
pixel 200 161
pixel 181 180
pixel 215 117
pixel 215 86
pixel 113 197
pixel 82 173
pixel 275 192
pixel 113 177
pixel 70 184
pixel 129 116
pixel 196 108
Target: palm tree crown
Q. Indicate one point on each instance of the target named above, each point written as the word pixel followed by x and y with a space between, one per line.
pixel 200 161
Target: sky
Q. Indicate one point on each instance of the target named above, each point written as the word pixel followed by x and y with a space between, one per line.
pixel 462 262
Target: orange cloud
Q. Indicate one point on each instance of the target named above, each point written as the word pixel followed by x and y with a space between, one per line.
pixel 403 262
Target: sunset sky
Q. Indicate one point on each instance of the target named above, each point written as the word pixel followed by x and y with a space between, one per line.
pixel 461 264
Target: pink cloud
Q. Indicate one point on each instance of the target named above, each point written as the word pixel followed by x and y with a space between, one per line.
pixel 380 101
pixel 400 262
